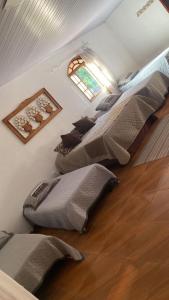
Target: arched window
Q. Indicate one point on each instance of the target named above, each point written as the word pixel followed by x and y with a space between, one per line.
pixel 86 77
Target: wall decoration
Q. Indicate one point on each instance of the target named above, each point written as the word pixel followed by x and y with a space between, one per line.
pixel 145 7
pixel 166 4
pixel 32 115
pixel 44 105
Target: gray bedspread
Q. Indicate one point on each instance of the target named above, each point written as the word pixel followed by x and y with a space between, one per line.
pixel 27 257
pixel 116 130
pixel 68 203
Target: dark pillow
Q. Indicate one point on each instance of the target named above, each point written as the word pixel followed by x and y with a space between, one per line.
pixel 108 102
pixel 70 140
pixel 84 124
pixel 77 133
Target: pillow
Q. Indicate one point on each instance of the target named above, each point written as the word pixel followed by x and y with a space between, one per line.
pixel 70 140
pixel 84 124
pixel 127 78
pixel 108 102
pixel 39 193
pixel 167 57
pixel 103 107
pixel 4 238
pixel 99 114
pixel 62 150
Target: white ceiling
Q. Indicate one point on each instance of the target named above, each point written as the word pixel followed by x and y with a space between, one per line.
pixel 32 30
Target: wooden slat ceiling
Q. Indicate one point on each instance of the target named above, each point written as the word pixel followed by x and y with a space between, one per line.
pixel 32 30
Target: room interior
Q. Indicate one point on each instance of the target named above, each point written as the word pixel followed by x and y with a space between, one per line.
pixel 121 251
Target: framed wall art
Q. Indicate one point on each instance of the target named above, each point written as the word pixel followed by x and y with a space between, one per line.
pixel 32 115
pixel 166 4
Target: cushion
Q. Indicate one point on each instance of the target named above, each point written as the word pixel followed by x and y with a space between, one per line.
pixel 103 107
pixel 4 237
pixel 84 125
pixel 108 102
pixel 99 114
pixel 70 140
pixel 127 78
pixel 167 57
pixel 62 150
pixel 40 192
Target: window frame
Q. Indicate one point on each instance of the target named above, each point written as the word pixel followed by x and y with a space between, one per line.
pixel 76 63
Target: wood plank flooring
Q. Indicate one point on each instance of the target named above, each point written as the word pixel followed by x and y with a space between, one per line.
pixel 127 245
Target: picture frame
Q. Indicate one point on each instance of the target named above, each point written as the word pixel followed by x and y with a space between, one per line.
pixel 165 4
pixel 32 115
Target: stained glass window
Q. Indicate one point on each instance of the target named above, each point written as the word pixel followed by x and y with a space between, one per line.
pixel 88 80
pixel 83 78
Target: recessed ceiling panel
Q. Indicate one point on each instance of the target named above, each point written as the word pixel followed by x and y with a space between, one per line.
pixel 31 30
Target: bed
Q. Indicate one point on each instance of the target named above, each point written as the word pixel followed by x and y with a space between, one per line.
pixel 115 131
pixel 68 204
pixel 28 257
pixel 160 63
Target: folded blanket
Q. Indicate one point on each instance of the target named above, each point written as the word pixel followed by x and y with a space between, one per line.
pixel 40 192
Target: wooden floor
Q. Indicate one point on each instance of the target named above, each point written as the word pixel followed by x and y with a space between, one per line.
pixel 127 246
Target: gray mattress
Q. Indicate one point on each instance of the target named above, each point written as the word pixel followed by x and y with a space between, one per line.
pixel 27 257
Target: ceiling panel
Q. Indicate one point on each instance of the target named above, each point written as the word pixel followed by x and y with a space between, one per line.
pixel 32 29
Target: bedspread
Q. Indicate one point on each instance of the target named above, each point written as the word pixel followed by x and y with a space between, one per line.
pixel 27 257
pixel 116 130
pixel 68 204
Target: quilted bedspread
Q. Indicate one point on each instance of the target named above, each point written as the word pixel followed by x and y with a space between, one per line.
pixel 68 204
pixel 116 130
pixel 28 257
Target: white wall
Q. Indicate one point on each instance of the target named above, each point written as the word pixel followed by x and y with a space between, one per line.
pixel 23 166
pixel 112 51
pixel 145 36
pixel 104 42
